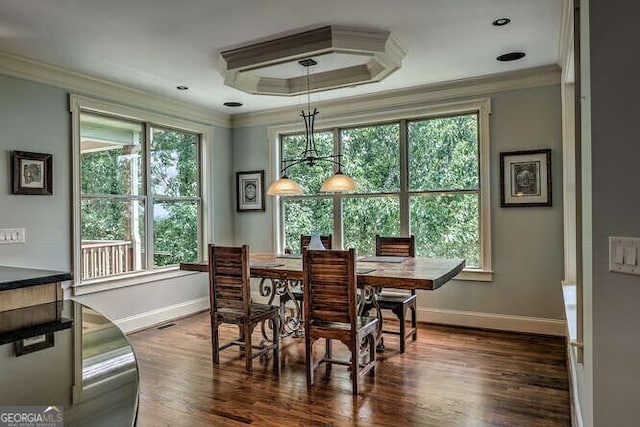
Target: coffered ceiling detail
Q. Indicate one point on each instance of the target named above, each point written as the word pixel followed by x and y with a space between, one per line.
pixel 345 57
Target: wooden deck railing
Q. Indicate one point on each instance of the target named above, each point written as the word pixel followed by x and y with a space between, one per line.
pixel 101 258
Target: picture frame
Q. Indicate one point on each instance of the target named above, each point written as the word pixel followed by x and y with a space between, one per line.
pixel 525 178
pixel 250 191
pixel 32 173
pixel 39 342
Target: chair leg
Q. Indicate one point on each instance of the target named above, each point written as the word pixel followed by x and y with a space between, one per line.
pixel 275 325
pixel 241 337
pixel 308 344
pixel 414 320
pixel 403 327
pixel 248 360
pixel 355 364
pixel 372 354
pixel 328 355
pixel 215 340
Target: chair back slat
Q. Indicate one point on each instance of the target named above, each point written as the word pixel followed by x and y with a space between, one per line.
pixel 229 277
pixel 305 239
pixel 329 286
pixel 395 246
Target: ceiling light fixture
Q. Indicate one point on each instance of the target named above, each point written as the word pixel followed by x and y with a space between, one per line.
pixel 182 87
pixel 501 22
pixel 511 56
pixel 232 104
pixel 337 183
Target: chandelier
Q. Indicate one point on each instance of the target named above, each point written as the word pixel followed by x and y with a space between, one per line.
pixel 337 183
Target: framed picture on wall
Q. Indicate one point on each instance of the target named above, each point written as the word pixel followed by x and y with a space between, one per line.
pixel 31 173
pixel 250 191
pixel 525 178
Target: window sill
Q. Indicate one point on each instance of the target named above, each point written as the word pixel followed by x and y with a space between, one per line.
pixel 475 275
pixel 110 283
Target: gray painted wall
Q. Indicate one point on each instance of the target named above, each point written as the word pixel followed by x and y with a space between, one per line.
pixel 615 152
pixel 251 152
pixel 35 117
pixel 223 187
pixel 527 242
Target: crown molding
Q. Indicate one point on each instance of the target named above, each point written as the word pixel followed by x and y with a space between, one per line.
pixel 476 86
pixel 29 69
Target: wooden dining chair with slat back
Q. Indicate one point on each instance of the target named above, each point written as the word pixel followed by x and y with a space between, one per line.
pixel 395 300
pixel 230 295
pixel 330 312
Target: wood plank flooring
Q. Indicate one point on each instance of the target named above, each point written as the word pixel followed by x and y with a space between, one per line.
pixel 449 377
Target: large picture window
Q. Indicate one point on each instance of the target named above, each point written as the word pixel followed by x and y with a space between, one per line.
pixel 139 185
pixel 420 175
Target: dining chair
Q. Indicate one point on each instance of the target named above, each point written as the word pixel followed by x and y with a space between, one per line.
pixel 392 299
pixel 230 297
pixel 330 312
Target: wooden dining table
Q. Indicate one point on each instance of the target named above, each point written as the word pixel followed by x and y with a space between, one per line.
pixel 394 272
pixel 282 275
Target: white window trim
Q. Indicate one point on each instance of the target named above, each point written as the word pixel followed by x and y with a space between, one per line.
pixel 78 103
pixel 482 106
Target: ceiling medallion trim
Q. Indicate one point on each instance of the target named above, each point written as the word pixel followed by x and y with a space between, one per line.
pixel 384 51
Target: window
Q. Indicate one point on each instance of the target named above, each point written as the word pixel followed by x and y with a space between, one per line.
pixel 444 187
pixel 371 156
pixel 138 193
pixel 423 173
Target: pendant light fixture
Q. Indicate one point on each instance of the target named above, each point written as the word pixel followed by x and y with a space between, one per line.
pixel 337 183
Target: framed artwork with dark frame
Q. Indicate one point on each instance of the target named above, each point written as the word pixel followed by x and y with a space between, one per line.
pixel 250 191
pixel 525 178
pixel 32 173
pixel 39 342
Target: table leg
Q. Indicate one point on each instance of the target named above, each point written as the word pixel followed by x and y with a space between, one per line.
pixel 290 309
pixel 366 301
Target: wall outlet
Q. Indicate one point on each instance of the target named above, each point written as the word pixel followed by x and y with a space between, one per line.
pixel 12 235
pixel 624 255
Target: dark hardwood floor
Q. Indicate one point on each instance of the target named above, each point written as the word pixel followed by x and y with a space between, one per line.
pixel 449 377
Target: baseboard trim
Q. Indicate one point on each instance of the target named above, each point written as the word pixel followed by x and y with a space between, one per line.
pixel 151 318
pixel 576 410
pixel 502 322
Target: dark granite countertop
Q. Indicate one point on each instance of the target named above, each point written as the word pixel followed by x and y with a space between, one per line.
pixel 17 277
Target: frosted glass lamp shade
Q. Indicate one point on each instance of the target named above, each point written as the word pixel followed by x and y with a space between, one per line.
pixel 338 183
pixel 284 186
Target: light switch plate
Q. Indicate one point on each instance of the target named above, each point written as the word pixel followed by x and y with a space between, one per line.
pixel 12 235
pixel 623 255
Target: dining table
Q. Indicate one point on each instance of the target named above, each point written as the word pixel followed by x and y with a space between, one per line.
pixel 282 275
pixel 372 271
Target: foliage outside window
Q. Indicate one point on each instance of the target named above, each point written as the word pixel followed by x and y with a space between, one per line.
pixel 435 195
pixel 139 196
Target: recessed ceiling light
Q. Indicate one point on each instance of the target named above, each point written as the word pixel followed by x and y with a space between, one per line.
pixel 511 56
pixel 501 21
pixel 181 87
pixel 232 104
